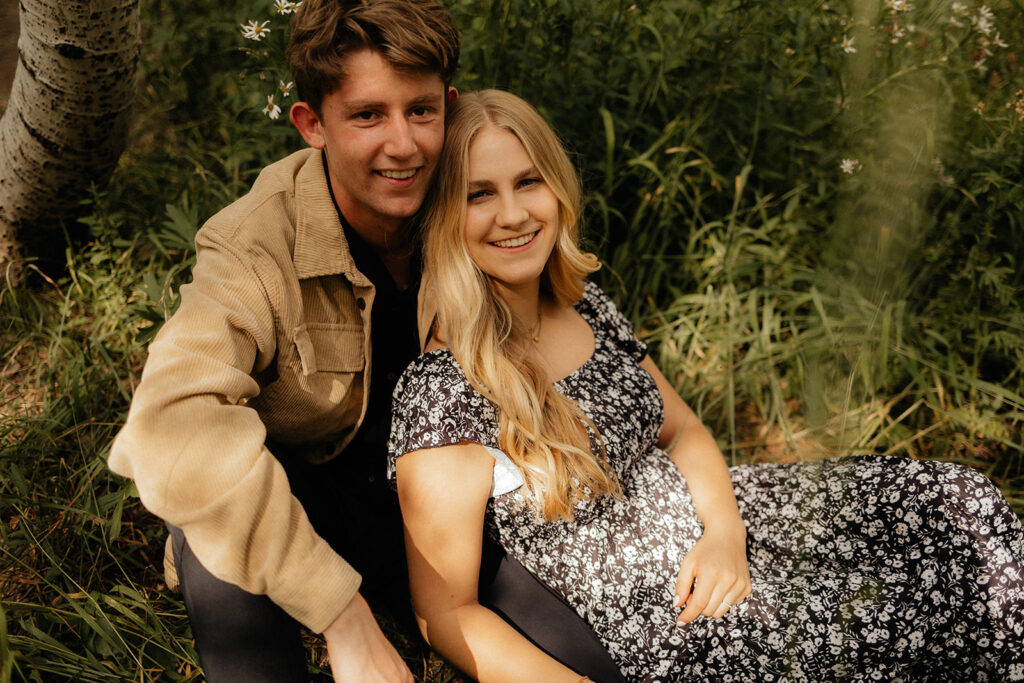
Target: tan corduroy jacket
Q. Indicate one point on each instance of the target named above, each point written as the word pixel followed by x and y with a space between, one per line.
pixel 271 341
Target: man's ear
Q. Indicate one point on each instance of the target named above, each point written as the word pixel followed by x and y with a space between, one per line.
pixel 453 94
pixel 307 122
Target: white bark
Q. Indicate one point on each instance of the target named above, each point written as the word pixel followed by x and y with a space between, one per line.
pixel 69 112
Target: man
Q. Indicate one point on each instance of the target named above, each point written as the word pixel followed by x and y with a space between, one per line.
pixel 258 430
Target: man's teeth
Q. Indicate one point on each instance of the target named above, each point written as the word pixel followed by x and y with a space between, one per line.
pixel 398 175
pixel 515 241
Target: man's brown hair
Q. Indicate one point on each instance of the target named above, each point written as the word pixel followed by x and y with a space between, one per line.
pixel 413 35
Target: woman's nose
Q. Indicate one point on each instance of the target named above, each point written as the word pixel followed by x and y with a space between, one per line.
pixel 512 212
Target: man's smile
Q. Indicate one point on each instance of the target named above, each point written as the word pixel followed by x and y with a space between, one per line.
pixel 398 175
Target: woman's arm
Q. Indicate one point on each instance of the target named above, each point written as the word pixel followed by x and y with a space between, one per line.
pixel 443 493
pixel 718 560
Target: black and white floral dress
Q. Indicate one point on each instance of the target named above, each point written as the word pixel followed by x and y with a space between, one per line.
pixel 863 568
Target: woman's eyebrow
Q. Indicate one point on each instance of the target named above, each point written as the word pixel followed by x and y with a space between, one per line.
pixel 531 171
pixel 525 173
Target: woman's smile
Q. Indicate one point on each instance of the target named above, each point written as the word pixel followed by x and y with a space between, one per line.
pixel 514 242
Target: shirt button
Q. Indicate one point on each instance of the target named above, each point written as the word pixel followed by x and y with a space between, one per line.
pixel 361 303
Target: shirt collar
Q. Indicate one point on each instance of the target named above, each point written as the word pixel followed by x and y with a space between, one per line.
pixel 320 245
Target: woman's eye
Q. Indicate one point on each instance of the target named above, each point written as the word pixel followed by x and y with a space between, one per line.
pixel 479 194
pixel 526 182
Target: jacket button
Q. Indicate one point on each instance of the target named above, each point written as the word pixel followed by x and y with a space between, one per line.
pixel 361 303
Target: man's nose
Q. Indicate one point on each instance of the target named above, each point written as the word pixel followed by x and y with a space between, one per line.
pixel 401 143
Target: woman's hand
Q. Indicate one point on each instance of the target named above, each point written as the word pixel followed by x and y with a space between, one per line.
pixel 718 563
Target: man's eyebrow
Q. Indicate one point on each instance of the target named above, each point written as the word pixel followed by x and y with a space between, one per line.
pixel 361 105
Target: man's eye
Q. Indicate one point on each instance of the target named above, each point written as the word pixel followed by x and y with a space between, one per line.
pixel 421 111
pixel 365 116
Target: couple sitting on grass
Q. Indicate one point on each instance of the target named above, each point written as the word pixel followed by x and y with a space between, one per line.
pixel 566 515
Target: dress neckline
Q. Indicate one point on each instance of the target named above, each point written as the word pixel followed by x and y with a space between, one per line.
pixel 586 311
pixel 583 308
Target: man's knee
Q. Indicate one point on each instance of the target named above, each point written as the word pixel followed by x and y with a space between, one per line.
pixel 240 636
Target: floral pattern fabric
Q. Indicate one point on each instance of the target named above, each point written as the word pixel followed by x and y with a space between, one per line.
pixel 863 568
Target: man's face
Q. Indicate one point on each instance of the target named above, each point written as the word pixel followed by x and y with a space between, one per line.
pixel 383 130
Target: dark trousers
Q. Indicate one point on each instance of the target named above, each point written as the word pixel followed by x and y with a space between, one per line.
pixel 245 637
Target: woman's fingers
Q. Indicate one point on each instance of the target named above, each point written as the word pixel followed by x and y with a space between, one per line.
pixel 728 601
pixel 715 598
pixel 698 600
pixel 737 594
pixel 716 604
pixel 684 583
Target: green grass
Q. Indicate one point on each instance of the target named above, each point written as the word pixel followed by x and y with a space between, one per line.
pixel 802 311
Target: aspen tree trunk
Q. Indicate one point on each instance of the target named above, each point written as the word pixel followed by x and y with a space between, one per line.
pixel 68 116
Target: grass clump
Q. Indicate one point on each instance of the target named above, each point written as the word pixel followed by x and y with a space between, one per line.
pixel 812 213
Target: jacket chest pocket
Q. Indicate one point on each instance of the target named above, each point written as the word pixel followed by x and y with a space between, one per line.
pixel 329 347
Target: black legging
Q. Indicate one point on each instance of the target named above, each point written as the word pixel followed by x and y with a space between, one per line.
pixel 245 637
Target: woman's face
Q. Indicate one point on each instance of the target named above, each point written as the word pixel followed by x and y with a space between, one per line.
pixel 511 213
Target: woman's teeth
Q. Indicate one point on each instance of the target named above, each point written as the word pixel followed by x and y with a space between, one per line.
pixel 515 241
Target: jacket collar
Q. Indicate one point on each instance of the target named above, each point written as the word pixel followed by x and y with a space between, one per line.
pixel 320 246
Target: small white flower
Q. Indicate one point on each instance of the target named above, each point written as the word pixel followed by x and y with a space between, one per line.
pixel 849 166
pixel 898 5
pixel 285 6
pixel 255 30
pixel 940 172
pixel 959 8
pixel 286 88
pixel 848 45
pixel 985 21
pixel 272 110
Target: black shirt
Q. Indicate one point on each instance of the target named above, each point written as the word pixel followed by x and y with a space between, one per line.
pixel 394 340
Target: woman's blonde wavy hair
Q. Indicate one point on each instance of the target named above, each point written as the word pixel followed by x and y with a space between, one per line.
pixel 542 432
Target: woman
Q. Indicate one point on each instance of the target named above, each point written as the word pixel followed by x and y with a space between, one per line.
pixel 536 417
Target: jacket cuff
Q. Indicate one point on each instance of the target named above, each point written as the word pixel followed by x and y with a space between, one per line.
pixel 319 588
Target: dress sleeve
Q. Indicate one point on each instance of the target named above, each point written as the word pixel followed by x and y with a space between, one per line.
pixel 435 405
pixel 616 325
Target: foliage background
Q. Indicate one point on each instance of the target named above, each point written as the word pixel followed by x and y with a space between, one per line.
pixel 803 311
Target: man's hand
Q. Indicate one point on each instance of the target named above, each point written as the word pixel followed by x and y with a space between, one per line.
pixel 359 651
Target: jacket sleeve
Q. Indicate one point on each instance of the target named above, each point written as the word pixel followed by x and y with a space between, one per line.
pixel 197 453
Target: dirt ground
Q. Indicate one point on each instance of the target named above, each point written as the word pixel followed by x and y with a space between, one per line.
pixel 8 47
